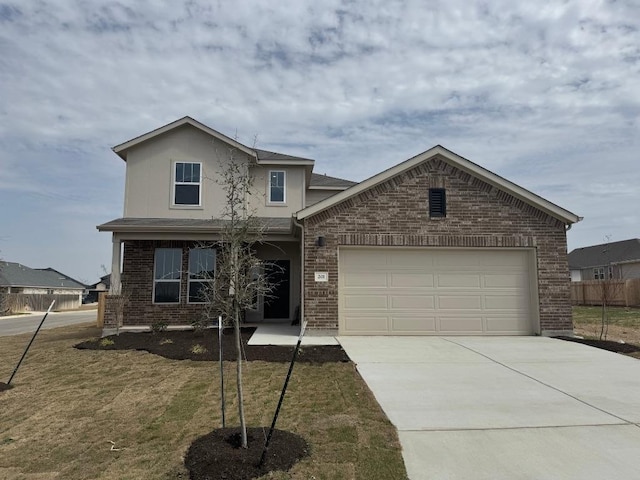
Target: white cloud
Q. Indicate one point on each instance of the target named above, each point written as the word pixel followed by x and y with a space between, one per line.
pixel 543 94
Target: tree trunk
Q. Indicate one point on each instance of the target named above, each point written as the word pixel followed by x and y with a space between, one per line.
pixel 243 426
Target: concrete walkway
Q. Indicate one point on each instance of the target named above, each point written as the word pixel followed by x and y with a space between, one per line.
pixel 285 334
pixel 505 407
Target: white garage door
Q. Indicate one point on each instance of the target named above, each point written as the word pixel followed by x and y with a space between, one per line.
pixel 394 291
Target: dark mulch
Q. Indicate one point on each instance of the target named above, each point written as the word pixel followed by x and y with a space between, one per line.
pixel 218 455
pixel 181 345
pixel 616 347
pixel 4 386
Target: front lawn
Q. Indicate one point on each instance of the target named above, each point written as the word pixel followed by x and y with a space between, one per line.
pixel 624 324
pixel 91 414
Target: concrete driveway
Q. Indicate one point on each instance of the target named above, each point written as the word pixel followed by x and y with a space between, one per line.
pixel 505 407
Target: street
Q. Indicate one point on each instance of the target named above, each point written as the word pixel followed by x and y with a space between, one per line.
pixel 29 323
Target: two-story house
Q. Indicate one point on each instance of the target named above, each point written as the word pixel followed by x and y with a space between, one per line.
pixel 434 245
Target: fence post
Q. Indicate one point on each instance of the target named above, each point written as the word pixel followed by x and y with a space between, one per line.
pixel 102 300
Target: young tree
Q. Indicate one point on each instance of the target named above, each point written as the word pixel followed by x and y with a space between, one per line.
pixel 611 286
pixel 240 277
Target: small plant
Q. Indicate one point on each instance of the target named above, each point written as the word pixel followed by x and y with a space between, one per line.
pixel 166 341
pixel 106 342
pixel 198 349
pixel 159 326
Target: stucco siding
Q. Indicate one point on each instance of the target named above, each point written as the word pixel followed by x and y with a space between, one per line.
pixel 315 196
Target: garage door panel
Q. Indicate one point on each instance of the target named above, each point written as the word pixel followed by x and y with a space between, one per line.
pixel 459 324
pixel 364 280
pixel 459 302
pixel 420 324
pixel 418 279
pixel 412 302
pixel 459 280
pixel 389 290
pixel 514 280
pixel 360 302
pixel 367 324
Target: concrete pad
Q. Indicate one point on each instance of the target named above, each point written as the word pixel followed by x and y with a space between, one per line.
pixel 471 396
pixel 287 335
pixel 407 350
pixel 569 453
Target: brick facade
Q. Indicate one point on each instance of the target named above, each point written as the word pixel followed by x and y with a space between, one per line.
pixel 395 213
pixel 137 281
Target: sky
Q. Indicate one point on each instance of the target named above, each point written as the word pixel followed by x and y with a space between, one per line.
pixel 546 94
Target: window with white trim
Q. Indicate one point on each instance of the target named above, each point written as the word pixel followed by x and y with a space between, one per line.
pixel 202 269
pixel 277 186
pixel 166 275
pixel 598 273
pixel 187 183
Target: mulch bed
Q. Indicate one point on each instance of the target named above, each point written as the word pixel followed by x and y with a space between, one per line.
pixel 203 346
pixel 218 455
pixel 609 345
pixel 4 386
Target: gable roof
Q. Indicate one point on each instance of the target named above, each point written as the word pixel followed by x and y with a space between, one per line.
pixel 623 251
pixel 122 149
pixel 456 161
pixel 17 275
pixel 323 181
pixel 60 274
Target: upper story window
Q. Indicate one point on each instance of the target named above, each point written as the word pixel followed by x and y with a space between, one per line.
pixel 437 203
pixel 166 275
pixel 187 184
pixel 202 267
pixel 277 186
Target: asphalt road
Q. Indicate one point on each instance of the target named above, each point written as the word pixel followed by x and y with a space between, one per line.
pixel 29 323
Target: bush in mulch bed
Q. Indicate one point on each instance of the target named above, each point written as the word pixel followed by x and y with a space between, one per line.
pixel 203 346
pixel 609 345
pixel 4 386
pixel 218 454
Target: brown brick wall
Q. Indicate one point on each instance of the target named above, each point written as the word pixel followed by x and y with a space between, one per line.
pixel 396 213
pixel 137 280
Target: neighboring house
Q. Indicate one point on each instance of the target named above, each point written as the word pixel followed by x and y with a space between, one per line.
pixel 608 260
pixel 94 290
pixel 434 245
pixel 40 286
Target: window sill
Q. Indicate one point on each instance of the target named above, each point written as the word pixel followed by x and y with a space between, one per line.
pixel 277 204
pixel 186 207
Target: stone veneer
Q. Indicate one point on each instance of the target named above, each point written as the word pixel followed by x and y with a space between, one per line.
pixel 395 213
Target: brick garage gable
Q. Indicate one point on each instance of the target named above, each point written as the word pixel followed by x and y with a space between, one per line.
pixel 395 213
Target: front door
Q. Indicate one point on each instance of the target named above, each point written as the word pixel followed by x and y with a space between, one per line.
pixel 279 273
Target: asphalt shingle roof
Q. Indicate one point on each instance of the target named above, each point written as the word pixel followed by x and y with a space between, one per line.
pixel 318 180
pixel 17 275
pixel 271 224
pixel 604 254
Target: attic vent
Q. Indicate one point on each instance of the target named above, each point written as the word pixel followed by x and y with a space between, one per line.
pixel 437 203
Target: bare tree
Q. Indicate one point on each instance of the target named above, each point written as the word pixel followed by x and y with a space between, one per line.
pixel 240 277
pixel 610 288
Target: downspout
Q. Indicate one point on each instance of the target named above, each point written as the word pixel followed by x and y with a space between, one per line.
pixel 296 223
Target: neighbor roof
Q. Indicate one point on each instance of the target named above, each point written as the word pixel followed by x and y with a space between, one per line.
pixel 271 225
pixel 458 162
pixel 598 255
pixel 17 275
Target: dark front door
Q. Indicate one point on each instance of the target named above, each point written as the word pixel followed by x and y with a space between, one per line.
pixel 279 272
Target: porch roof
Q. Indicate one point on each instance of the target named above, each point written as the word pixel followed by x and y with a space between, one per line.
pixel 270 225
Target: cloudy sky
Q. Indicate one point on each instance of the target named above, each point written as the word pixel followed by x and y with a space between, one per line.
pixel 546 94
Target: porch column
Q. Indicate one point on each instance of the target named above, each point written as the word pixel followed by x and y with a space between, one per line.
pixel 116 285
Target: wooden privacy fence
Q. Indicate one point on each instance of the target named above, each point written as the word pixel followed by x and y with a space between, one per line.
pixel 624 293
pixel 39 302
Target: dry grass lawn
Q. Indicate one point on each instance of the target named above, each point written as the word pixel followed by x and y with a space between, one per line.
pixel 68 405
pixel 624 324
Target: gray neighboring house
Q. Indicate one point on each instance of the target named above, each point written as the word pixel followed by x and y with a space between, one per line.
pixel 40 285
pixel 93 291
pixel 608 260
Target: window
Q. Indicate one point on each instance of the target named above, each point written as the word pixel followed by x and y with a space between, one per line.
pixel 276 187
pixel 202 267
pixel 598 273
pixel 186 189
pixel 166 276
pixel 437 203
